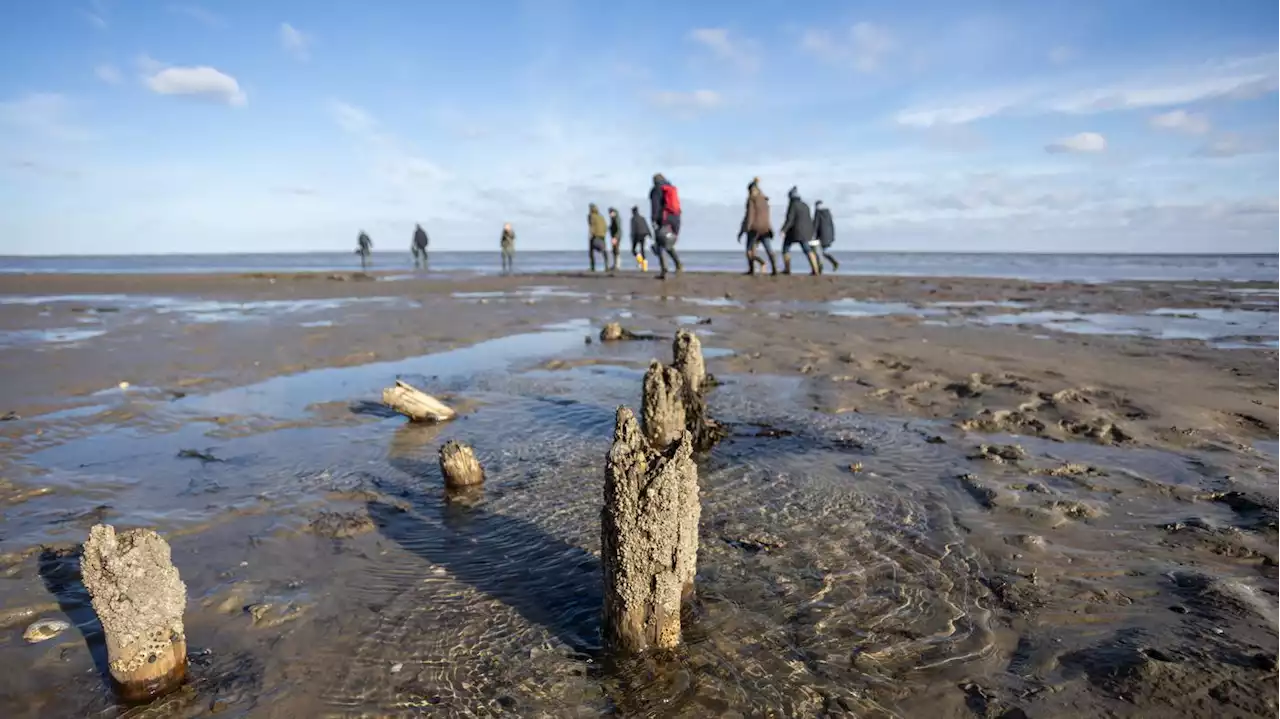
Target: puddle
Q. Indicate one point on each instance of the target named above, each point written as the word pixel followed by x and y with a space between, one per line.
pixel 201 310
pixel 64 335
pixel 289 396
pixel 712 301
pixel 982 303
pixel 1223 328
pixel 528 293
pixel 861 308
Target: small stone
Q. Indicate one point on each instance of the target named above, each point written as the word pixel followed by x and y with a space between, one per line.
pixel 395 668
pixel 124 385
pixel 855 467
pixel 44 629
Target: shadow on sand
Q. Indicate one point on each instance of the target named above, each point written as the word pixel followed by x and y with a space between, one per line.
pixel 60 571
pixel 551 583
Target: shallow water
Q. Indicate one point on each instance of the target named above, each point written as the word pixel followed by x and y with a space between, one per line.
pixel 1210 324
pixel 844 566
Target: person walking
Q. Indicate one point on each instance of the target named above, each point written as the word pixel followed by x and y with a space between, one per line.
pixel 758 229
pixel 664 211
pixel 797 229
pixel 597 228
pixel 364 248
pixel 639 233
pixel 419 247
pixel 508 245
pixel 826 233
pixel 615 237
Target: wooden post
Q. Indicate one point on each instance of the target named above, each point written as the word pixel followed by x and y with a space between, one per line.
pixel 662 405
pixel 139 597
pixel 648 538
pixel 415 404
pixel 459 466
pixel 686 352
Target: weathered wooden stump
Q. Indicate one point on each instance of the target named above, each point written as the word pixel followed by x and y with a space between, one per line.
pixel 649 538
pixel 139 597
pixel 686 353
pixel 416 404
pixel 662 405
pixel 459 466
pixel 612 332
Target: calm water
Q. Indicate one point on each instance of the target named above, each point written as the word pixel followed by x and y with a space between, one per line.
pixel 1089 268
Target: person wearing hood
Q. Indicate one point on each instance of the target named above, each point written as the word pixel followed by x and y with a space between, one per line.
pixel 664 211
pixel 615 237
pixel 419 247
pixel 639 233
pixel 797 229
pixel 364 247
pixel 508 245
pixel 597 228
pixel 758 228
pixel 826 233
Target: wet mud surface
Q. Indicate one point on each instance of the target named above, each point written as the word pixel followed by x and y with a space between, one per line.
pixel 917 512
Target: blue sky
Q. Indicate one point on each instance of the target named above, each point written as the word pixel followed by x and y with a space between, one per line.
pixel 248 125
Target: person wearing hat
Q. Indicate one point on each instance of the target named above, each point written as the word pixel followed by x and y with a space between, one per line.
pixel 797 229
pixel 597 228
pixel 825 228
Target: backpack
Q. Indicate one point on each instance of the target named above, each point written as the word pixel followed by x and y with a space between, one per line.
pixel 670 200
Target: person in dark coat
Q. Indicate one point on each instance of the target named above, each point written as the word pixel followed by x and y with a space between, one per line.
pixel 758 228
pixel 825 228
pixel 639 233
pixel 615 237
pixel 597 228
pixel 797 229
pixel 666 223
pixel 419 247
pixel 364 248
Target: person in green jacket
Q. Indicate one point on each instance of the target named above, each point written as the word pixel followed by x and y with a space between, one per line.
pixel 597 229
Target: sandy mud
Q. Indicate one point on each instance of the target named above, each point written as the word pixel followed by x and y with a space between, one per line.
pixel 936 497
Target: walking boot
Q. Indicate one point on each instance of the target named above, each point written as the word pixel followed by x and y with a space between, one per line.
pixel 786 264
pixel 815 268
pixel 835 265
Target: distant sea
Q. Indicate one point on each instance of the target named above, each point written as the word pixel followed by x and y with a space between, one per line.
pixel 1040 267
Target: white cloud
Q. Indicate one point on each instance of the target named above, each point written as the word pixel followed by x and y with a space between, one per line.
pixel 201 81
pixel 1230 145
pixel 1061 55
pixel 394 162
pixel 295 41
pixel 42 114
pixel 199 14
pixel 96 14
pixel 739 52
pixel 693 100
pixel 1181 121
pixel 1085 142
pixel 1239 78
pixel 108 73
pixel 864 46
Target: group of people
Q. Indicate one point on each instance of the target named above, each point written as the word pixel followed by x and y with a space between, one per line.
pixel 814 232
pixel 664 212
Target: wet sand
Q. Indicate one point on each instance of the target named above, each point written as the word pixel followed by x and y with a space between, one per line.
pixel 940 495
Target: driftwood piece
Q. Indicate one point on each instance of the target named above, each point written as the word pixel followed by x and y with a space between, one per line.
pixel 649 538
pixel 459 466
pixel 686 353
pixel 416 404
pixel 139 597
pixel 662 405
pixel 614 332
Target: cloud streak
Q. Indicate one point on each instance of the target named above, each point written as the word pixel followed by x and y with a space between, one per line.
pixel 739 52
pixel 295 42
pixel 1240 78
pixel 1181 121
pixel 1083 143
pixel 864 46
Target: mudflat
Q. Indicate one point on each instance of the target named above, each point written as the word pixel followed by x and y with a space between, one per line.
pixel 950 497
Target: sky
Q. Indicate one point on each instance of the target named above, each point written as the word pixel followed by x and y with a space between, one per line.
pixel 139 126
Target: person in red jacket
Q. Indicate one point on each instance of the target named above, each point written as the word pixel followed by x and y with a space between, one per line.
pixel 664 210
